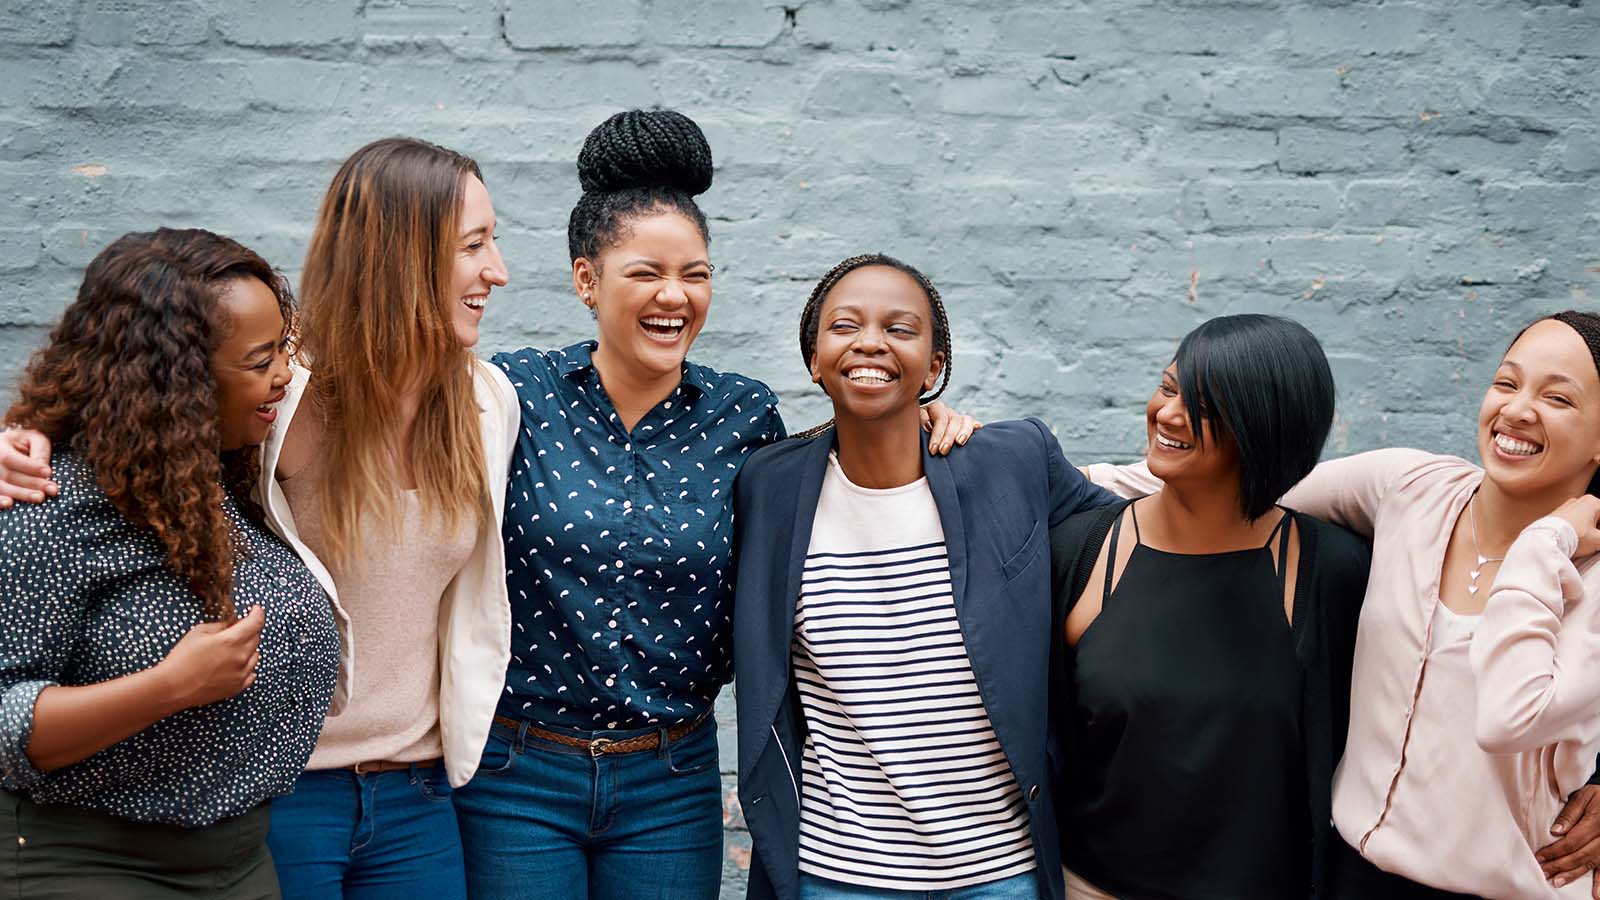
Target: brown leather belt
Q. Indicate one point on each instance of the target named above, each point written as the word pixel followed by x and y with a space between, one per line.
pixel 602 746
pixel 384 765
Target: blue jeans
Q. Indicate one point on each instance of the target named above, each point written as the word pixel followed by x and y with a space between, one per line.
pixel 543 820
pixel 1017 887
pixel 368 837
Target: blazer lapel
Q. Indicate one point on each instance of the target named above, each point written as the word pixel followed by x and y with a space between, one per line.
pixel 805 515
pixel 942 482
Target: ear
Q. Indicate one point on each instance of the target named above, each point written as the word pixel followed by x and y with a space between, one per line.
pixel 934 371
pixel 584 276
pixel 816 370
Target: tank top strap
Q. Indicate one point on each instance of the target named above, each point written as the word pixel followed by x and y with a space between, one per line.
pixel 1111 555
pixel 1280 531
pixel 1134 511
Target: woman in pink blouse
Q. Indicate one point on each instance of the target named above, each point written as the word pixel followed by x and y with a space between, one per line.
pixel 1475 708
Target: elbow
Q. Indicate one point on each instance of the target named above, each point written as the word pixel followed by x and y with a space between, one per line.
pixel 1504 733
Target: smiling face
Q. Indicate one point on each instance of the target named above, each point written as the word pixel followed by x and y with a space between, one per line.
pixel 478 267
pixel 875 350
pixel 650 291
pixel 1176 451
pixel 1539 425
pixel 251 365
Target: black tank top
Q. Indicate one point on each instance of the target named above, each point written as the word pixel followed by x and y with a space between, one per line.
pixel 1186 773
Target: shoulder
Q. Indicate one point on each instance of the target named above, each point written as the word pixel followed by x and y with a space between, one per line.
pixel 1405 467
pixel 493 388
pixel 732 387
pixel 1338 551
pixel 519 365
pixel 783 458
pixel 1082 530
pixel 70 513
pixel 1027 443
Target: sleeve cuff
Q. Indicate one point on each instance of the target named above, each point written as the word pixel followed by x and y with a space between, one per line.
pixel 1566 537
pixel 16 728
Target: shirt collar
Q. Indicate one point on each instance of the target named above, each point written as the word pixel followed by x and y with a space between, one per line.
pixel 578 361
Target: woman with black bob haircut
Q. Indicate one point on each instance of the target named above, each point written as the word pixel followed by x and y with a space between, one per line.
pixel 893 629
pixel 1200 688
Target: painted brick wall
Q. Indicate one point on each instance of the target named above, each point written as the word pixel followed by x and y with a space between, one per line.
pixel 1084 181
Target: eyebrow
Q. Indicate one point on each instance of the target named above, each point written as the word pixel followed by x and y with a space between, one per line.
pixel 1508 364
pixel 647 261
pixel 852 308
pixel 262 347
pixel 481 229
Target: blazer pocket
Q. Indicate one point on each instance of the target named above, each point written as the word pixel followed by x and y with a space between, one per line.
pixel 1018 561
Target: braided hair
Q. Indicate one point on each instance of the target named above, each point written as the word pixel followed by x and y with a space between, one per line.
pixel 1587 325
pixel 810 316
pixel 633 163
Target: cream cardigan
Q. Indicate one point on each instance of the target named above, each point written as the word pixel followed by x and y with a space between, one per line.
pixel 474 614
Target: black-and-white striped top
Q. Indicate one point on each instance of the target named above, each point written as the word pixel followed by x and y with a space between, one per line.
pixel 904 783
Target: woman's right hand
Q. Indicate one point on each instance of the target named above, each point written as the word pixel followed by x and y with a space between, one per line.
pixel 1584 515
pixel 24 467
pixel 214 661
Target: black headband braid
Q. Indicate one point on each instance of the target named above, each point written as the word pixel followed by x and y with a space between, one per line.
pixel 813 311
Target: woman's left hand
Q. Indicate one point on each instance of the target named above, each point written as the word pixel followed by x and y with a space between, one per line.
pixel 1577 849
pixel 948 427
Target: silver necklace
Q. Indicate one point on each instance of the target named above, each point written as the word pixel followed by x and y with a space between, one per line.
pixel 1472 522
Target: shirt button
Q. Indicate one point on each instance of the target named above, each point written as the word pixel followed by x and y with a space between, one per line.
pixel 612 623
pixel 611 682
pixel 21 841
pixel 1033 793
pixel 283 581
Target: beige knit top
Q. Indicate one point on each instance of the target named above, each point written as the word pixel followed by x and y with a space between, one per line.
pixel 391 590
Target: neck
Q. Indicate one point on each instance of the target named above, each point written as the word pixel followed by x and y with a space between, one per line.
pixel 632 392
pixel 1201 518
pixel 881 453
pixel 1499 517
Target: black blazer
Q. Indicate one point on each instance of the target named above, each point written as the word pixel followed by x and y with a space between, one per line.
pixel 1330 584
pixel 997 498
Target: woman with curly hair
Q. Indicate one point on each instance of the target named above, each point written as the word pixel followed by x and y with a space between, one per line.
pixel 165 661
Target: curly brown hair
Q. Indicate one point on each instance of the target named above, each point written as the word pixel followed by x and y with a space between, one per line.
pixel 126 381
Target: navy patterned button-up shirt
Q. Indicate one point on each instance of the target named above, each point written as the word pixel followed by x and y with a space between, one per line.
pixel 618 544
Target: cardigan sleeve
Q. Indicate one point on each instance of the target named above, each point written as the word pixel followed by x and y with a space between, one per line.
pixel 43 615
pixel 1345 491
pixel 1536 650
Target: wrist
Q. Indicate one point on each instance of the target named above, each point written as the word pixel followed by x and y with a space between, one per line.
pixel 168 692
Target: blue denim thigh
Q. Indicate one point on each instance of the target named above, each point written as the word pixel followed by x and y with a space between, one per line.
pixel 343 836
pixel 541 819
pixel 1018 887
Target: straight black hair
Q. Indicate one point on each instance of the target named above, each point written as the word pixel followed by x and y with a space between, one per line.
pixel 1264 383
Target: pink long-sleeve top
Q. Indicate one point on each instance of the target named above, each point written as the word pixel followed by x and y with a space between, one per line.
pixel 1458 759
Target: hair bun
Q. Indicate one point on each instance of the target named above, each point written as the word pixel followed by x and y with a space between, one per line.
pixel 646 148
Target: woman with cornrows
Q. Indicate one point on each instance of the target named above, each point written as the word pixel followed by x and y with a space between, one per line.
pixel 165 660
pixel 1475 712
pixel 893 623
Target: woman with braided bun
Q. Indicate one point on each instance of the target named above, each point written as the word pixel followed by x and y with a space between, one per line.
pixel 1475 706
pixel 600 777
pixel 893 623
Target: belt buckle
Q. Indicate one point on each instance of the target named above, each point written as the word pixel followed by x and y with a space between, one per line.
pixel 598 746
pixel 357 768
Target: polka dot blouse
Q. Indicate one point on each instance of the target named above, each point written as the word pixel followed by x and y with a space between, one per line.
pixel 89 597
pixel 617 543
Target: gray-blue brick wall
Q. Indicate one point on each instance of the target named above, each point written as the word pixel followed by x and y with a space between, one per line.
pixel 1084 180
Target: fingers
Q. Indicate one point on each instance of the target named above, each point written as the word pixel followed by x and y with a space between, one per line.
pixel 943 435
pixel 1594 885
pixel 967 426
pixel 1569 814
pixel 927 420
pixel 1560 879
pixel 248 627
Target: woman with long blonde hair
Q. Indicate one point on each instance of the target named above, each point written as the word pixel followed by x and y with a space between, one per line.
pixel 389 468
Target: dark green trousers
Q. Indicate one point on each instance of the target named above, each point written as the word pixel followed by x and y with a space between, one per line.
pixel 62 853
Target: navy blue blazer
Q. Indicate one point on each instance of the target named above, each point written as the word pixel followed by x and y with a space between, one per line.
pixel 997 497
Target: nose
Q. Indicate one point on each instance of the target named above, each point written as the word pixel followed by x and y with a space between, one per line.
pixel 1173 414
pixel 671 294
pixel 495 272
pixel 280 367
pixel 869 339
pixel 1519 407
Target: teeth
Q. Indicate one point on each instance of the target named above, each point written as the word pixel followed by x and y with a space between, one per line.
pixel 1165 441
pixel 663 321
pixel 1514 447
pixel 864 373
pixel 475 302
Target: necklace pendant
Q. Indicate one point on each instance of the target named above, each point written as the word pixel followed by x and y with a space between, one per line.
pixel 1474 574
pixel 1472 589
pixel 1481 560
